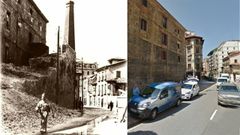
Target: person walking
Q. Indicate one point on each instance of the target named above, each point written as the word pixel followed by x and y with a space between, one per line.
pixel 43 109
pixel 111 105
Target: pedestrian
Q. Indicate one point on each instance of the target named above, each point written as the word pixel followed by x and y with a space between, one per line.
pixel 111 105
pixel 81 105
pixel 43 109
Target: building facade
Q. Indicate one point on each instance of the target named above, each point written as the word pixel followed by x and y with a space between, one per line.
pixel 106 85
pixel 85 73
pixel 231 65
pixel 156 44
pixel 205 65
pixel 217 55
pixel 194 55
pixel 23 32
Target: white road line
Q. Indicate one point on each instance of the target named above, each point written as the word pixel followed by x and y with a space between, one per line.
pixel 213 114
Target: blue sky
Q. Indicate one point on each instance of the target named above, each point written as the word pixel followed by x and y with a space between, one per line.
pixel 215 20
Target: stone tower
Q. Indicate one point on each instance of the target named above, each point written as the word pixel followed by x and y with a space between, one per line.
pixel 69 35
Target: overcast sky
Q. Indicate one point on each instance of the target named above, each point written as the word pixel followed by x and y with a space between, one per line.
pixel 100 27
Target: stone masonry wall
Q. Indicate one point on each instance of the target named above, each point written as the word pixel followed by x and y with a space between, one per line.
pixel 145 47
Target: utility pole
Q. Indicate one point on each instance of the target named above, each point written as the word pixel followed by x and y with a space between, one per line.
pixel 57 82
pixel 82 85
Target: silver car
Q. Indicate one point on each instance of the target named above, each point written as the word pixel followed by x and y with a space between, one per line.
pixel 229 94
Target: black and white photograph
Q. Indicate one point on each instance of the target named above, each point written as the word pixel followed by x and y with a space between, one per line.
pixel 64 67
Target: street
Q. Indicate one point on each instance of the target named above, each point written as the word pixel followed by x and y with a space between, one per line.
pixel 200 116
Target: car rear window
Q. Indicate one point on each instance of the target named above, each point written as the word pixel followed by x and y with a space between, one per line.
pixel 229 88
pixel 222 80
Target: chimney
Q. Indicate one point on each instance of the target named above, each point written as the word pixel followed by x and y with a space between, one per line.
pixel 69 36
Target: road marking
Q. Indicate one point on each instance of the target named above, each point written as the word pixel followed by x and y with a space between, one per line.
pixel 132 128
pixel 213 114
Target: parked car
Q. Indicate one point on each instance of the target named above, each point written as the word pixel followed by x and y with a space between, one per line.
pixel 229 94
pixel 221 80
pixel 225 75
pixel 189 89
pixel 155 98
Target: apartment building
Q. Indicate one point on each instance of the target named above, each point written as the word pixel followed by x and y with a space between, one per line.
pixel 194 57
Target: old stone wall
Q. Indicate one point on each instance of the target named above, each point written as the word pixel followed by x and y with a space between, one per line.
pixel 145 47
pixel 23 24
pixel 47 82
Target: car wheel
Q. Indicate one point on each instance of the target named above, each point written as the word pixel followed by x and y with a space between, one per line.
pixel 178 102
pixel 191 97
pixel 153 114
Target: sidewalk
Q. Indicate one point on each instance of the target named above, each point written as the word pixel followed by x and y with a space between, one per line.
pixel 113 125
pixel 103 125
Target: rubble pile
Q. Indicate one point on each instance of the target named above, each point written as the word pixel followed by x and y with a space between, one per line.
pixel 19 116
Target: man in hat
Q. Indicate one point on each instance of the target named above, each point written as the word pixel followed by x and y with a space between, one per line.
pixel 43 108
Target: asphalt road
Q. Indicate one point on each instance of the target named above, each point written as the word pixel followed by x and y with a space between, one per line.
pixel 200 116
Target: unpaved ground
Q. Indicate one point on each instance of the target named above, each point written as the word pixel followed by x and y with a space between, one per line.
pixel 18 107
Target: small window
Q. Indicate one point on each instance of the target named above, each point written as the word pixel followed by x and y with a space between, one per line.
pixel 19 1
pixel 31 11
pixel 105 88
pixel 118 74
pixel 164 39
pixel 163 55
pixel 6 54
pixel 30 38
pixel 189 66
pixel 8 20
pixel 144 3
pixel 235 61
pixel 143 25
pixel 164 22
pixel 179 59
pixel 197 50
pixel 87 72
pixel 178 45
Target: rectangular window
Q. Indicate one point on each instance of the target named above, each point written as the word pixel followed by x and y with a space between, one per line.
pixel 31 11
pixel 197 50
pixel 164 22
pixel 6 54
pixel 143 25
pixel 8 20
pixel 235 61
pixel 118 74
pixel 179 59
pixel 102 91
pixel 163 55
pixel 105 89
pixel 189 66
pixel 178 46
pixel 144 3
pixel 164 39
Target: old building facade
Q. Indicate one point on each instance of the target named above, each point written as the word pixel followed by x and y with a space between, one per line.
pixel 23 32
pixel 156 44
pixel 194 55
pixel 108 84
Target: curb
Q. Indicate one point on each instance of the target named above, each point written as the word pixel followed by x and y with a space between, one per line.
pixel 82 129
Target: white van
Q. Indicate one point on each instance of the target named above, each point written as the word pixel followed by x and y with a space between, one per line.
pixel 225 75
pixel 221 80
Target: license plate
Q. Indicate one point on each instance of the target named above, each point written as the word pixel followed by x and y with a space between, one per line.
pixel 133 110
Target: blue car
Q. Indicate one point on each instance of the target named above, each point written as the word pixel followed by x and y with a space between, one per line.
pixel 155 98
